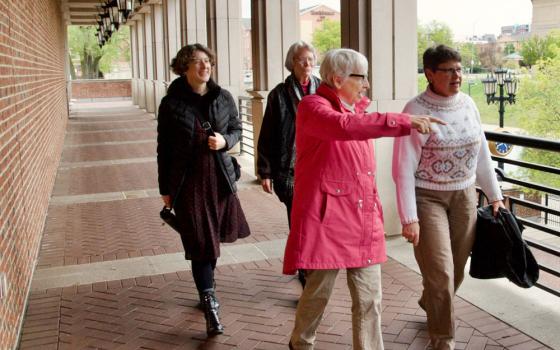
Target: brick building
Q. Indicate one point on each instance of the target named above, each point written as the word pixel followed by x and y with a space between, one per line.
pixel 33 115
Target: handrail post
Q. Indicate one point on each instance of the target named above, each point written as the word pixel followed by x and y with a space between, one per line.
pixel 258 105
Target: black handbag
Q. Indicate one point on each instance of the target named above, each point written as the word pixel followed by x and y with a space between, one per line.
pixel 500 251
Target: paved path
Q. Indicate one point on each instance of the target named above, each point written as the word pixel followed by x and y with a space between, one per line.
pixel 110 276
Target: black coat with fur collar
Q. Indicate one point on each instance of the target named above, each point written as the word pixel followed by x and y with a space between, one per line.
pixel 176 126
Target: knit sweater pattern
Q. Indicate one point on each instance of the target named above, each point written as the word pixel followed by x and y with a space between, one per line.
pixel 452 157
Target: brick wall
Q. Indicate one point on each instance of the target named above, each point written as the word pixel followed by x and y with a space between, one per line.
pixel 100 88
pixel 33 114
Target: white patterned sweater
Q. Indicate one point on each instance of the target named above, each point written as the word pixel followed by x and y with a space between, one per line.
pixel 451 158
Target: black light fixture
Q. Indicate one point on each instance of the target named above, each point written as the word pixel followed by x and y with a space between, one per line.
pixel 113 10
pixel 125 7
pixel 501 78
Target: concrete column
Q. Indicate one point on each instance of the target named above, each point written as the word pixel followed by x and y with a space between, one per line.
pixel 385 32
pixel 275 26
pixel 140 39
pixel 159 55
pixel 150 59
pixel 172 16
pixel 134 61
pixel 224 37
pixel 194 21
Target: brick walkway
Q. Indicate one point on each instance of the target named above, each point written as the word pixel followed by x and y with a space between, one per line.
pixel 104 209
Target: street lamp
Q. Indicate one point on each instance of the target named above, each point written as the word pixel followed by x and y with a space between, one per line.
pixel 502 78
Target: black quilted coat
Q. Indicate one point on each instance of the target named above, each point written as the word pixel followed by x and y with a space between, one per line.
pixel 176 127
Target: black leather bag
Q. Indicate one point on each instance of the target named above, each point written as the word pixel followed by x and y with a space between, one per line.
pixel 168 217
pixel 500 251
pixel 237 168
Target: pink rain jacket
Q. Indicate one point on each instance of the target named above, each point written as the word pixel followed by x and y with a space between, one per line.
pixel 337 220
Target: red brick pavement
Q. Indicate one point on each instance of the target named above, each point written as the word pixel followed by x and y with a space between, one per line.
pixel 102 231
pixel 258 306
pixel 108 152
pixel 109 125
pixel 109 136
pixel 159 312
pixel 107 178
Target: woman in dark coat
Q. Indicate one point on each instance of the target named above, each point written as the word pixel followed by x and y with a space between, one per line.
pixel 276 147
pixel 196 175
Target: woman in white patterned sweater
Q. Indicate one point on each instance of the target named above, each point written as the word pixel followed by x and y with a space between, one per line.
pixel 435 175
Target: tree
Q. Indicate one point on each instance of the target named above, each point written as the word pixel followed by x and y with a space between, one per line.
pixel 94 61
pixel 509 49
pixel 431 34
pixel 327 37
pixel 536 48
pixel 539 98
pixel 489 55
pixel 469 55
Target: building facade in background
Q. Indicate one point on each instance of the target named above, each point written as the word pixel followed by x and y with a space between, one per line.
pixel 312 18
pixel 546 16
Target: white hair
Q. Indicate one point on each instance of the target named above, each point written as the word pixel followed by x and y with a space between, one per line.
pixel 342 63
pixel 289 63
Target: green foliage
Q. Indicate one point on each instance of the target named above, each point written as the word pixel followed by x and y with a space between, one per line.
pixel 509 49
pixel 537 48
pixel 431 34
pixel 94 61
pixel 539 98
pixel 327 37
pixel 469 55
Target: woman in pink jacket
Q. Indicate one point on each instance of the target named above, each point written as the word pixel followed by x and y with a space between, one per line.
pixel 337 220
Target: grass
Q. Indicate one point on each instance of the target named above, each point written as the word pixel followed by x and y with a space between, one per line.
pixel 488 113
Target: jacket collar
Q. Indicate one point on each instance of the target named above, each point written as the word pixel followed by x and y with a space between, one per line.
pixel 181 89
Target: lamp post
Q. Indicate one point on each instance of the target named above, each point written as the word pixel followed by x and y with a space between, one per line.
pixel 499 77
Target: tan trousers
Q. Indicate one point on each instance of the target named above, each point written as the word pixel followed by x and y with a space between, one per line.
pixel 365 289
pixel 447 229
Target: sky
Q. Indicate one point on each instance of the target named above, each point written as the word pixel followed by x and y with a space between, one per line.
pixel 465 17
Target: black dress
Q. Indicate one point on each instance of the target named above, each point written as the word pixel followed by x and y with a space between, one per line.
pixel 206 208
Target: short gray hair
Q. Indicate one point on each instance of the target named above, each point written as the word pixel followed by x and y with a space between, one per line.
pixel 342 62
pixel 289 63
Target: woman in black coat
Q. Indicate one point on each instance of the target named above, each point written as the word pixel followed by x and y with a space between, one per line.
pixel 276 146
pixel 196 174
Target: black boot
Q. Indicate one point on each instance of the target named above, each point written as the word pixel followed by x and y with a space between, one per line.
pixel 213 325
pixel 201 297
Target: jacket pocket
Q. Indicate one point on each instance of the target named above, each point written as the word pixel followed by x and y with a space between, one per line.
pixel 336 201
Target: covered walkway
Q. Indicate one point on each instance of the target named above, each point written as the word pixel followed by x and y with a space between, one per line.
pixel 110 276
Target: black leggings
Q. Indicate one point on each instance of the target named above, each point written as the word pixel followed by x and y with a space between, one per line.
pixel 203 274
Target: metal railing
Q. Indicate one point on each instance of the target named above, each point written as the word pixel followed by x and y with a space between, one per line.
pixel 246 115
pixel 544 217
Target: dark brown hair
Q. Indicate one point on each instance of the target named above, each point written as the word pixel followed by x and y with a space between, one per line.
pixel 180 64
pixel 434 56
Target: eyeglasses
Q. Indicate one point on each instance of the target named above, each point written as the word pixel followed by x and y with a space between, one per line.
pixel 200 60
pixel 362 76
pixel 450 71
pixel 303 60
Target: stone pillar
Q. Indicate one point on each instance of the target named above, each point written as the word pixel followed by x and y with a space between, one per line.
pixel 161 64
pixel 194 17
pixel 385 32
pixel 172 33
pixel 224 37
pixel 140 28
pixel 134 61
pixel 275 26
pixel 150 59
